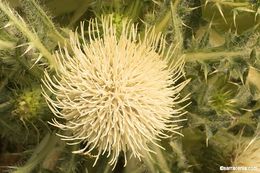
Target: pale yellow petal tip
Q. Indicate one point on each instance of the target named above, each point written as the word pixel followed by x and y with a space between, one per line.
pixel 115 93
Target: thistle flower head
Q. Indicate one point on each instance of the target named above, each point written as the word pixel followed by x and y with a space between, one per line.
pixel 115 92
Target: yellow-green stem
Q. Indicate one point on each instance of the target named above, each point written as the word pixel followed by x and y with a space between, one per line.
pixel 20 24
pixel 202 56
pixel 42 150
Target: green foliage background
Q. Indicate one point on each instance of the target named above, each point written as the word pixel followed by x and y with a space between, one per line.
pixel 219 38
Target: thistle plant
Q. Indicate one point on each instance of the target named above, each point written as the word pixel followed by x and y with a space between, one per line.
pixel 117 92
pixel 106 83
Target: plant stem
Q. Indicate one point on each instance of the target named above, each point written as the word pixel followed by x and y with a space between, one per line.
pixel 202 56
pixel 42 150
pixel 21 25
pixel 56 36
pixel 160 159
pixel 163 23
pixel 79 12
pixel 231 4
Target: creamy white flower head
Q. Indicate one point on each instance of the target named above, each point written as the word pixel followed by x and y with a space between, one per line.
pixel 116 92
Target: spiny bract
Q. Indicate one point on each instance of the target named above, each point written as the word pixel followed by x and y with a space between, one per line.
pixel 116 91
